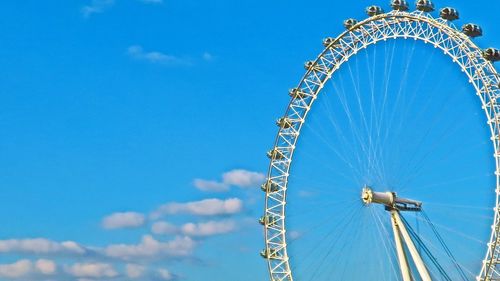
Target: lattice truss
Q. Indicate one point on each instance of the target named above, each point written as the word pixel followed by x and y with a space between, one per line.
pixel 418 25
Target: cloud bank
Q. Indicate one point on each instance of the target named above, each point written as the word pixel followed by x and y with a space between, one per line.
pixel 238 177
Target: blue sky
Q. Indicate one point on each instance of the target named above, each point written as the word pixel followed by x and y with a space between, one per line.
pixel 137 130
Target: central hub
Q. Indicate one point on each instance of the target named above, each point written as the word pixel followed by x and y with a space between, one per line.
pixel 390 200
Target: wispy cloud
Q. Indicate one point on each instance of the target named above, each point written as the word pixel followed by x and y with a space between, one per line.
pixel 210 185
pixel 164 274
pixel 152 1
pixel 243 178
pixel 92 270
pixel 163 227
pixel 206 207
pixel 123 220
pixel 137 52
pixel 96 7
pixel 133 261
pixel 208 56
pixel 135 270
pixel 40 246
pixel 100 6
pixel 200 229
pixel 26 268
pixel 238 177
pixel 43 269
pixel 209 228
pixel 150 248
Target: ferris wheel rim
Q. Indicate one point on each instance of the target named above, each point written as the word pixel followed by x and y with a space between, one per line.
pixel 484 85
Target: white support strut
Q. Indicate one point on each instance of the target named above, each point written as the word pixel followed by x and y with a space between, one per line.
pixel 403 261
pixel 417 259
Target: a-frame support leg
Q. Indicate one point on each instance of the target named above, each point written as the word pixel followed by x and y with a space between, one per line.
pixel 401 231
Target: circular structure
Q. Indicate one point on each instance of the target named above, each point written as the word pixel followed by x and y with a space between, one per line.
pixel 439 32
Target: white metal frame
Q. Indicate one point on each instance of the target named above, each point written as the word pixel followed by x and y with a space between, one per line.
pixel 399 230
pixel 395 24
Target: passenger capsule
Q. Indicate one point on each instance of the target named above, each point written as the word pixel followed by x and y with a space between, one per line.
pixel 284 122
pixel 449 14
pixel 399 5
pixel 328 41
pixel 275 154
pixel 309 65
pixel 312 66
pixel 472 30
pixel 270 186
pixel 374 10
pixel 267 220
pixel 491 54
pixel 269 253
pixel 297 93
pixel 425 6
pixel 349 23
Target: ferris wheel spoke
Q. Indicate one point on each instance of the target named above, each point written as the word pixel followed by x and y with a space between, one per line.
pixel 349 148
pixel 453 231
pixel 450 156
pixel 387 75
pixel 399 96
pixel 378 150
pixel 342 256
pixel 311 210
pixel 316 186
pixel 383 234
pixel 342 225
pixel 448 182
pixel 353 167
pixel 415 165
pixel 352 124
pixel 454 206
pixel 443 255
pixel 364 124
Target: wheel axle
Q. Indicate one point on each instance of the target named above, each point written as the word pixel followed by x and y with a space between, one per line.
pixel 390 200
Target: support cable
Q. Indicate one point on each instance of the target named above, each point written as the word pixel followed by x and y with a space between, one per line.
pixel 426 250
pixel 443 244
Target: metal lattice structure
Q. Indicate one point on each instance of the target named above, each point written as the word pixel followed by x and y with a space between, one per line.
pixel 398 23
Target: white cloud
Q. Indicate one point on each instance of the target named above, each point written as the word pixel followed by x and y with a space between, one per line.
pixel 243 178
pixel 206 207
pixel 207 56
pixel 165 274
pixel 294 235
pixel 201 229
pixel 137 52
pixel 40 246
pixel 209 228
pixel 123 220
pixel 134 270
pixel 16 270
pixel 100 6
pixel 92 270
pixel 46 267
pixel 206 185
pixel 24 268
pixel 151 248
pixel 238 177
pixel 305 193
pixel 97 6
pixel 163 227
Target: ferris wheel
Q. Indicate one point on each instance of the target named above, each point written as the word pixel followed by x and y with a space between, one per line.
pixel 378 145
